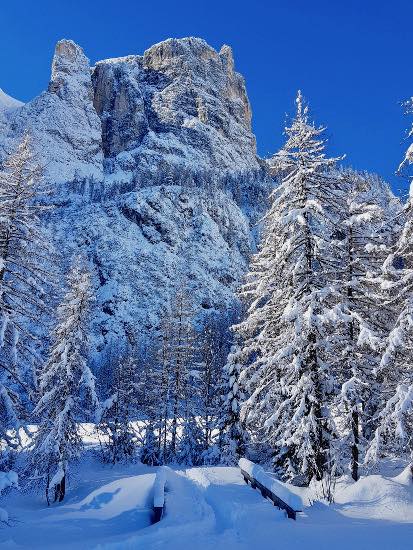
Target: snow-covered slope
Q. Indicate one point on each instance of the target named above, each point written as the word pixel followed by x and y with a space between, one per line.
pixel 7 102
pixel 154 173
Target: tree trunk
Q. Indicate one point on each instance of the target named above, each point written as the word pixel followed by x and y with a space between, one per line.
pixel 355 446
pixel 60 490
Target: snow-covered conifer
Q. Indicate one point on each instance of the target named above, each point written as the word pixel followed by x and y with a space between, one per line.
pixel 164 359
pixel 233 436
pixel 191 444
pixel 118 412
pixel 214 341
pixel 151 407
pixel 365 234
pixel 181 354
pixel 286 332
pixel 394 419
pixel 178 370
pixel 24 281
pixel 66 387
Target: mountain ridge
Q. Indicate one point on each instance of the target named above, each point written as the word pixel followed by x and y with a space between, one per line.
pixel 155 178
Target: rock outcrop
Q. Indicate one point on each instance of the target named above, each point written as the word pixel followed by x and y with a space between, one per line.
pixel 181 101
pixel 155 176
pixel 65 127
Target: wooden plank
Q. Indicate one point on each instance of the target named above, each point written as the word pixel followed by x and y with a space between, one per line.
pixel 266 493
pixel 158 513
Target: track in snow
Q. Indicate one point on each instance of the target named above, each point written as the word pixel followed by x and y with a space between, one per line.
pixel 208 508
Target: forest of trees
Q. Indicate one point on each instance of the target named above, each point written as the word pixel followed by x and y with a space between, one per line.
pixel 311 372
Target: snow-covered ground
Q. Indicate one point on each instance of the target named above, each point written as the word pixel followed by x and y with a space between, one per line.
pixel 206 508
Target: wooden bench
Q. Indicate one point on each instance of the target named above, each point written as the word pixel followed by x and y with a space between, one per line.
pixel 159 494
pixel 266 492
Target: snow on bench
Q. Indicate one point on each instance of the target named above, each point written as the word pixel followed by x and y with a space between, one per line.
pixel 159 493
pixel 270 488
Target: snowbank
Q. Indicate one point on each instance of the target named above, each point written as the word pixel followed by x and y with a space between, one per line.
pixel 377 497
pixel 7 479
pixel 273 485
pixel 112 500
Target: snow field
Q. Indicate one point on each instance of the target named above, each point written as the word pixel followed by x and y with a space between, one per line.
pixel 207 508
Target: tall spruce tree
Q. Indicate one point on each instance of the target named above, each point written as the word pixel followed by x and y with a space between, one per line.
pixel 179 373
pixel 214 345
pixel 291 309
pixel 150 397
pixel 66 387
pixel 394 374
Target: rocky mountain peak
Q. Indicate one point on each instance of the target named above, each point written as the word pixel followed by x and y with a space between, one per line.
pixel 225 53
pixel 70 71
pixel 154 170
pixel 182 103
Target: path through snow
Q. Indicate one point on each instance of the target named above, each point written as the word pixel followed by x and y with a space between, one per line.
pixel 209 508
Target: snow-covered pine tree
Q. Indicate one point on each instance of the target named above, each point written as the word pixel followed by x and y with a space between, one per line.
pixel 25 277
pixel 164 360
pixel 118 411
pixel 150 399
pixel 405 167
pixel 233 437
pixel 394 418
pixel 394 421
pixel 66 387
pixel 179 366
pixel 182 353
pixel 191 444
pixel 286 332
pixel 213 345
pixel 366 232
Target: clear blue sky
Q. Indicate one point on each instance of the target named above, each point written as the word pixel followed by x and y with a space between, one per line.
pixel 352 59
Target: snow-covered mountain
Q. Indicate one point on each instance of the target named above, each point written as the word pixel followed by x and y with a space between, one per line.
pixel 154 173
pixel 7 102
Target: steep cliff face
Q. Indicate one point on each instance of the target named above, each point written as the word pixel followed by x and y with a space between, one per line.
pixel 155 176
pixel 181 102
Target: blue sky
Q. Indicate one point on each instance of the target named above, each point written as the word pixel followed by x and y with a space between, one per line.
pixel 351 59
